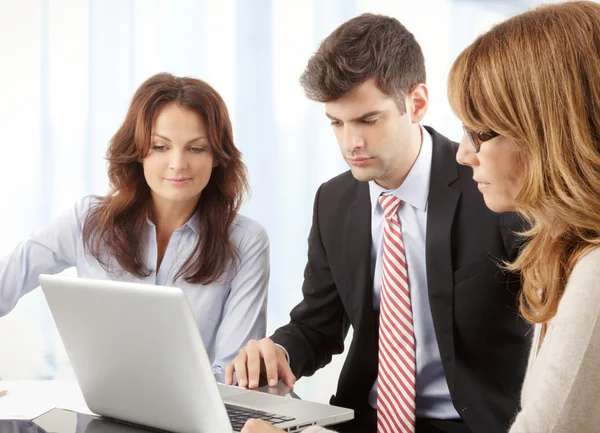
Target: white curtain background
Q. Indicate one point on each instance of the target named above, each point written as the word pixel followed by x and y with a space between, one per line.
pixel 68 71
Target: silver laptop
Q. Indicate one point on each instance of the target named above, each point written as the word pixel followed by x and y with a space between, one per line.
pixel 138 356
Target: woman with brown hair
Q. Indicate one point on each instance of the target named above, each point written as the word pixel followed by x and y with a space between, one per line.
pixel 528 93
pixel 171 218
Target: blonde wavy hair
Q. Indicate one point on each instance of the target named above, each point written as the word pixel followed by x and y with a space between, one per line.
pixel 535 79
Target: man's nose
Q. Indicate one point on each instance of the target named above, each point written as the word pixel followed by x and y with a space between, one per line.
pixel 352 141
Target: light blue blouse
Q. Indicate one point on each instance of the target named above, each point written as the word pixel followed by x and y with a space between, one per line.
pixel 229 311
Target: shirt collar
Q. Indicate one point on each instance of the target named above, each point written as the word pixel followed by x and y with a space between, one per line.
pixel 193 222
pixel 415 188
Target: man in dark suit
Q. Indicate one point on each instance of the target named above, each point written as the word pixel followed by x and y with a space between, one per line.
pixel 403 249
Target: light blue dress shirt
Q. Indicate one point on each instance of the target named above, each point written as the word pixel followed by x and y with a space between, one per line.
pixel 433 396
pixel 229 311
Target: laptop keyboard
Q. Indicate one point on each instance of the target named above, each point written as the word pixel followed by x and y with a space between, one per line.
pixel 239 415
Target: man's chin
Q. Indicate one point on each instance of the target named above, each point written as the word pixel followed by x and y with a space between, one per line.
pixel 362 175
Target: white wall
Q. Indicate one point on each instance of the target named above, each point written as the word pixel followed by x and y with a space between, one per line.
pixel 69 69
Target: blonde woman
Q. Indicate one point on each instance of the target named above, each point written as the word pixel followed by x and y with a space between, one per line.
pixel 528 93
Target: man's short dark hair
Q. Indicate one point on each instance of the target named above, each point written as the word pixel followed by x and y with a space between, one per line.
pixel 366 47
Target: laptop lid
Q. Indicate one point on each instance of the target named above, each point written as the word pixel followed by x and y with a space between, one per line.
pixel 138 356
pixel 136 353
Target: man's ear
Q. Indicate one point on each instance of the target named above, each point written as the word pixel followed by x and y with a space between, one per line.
pixel 417 102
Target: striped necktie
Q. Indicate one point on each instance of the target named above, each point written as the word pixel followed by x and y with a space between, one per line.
pixel 396 370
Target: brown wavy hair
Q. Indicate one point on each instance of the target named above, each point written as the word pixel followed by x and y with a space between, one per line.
pixel 113 226
pixel 366 47
pixel 535 79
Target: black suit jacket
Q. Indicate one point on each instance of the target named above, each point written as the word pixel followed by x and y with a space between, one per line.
pixel 474 303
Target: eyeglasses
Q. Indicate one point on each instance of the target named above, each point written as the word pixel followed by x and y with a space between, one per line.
pixel 476 138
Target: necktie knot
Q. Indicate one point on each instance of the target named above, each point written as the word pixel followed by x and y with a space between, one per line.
pixel 389 203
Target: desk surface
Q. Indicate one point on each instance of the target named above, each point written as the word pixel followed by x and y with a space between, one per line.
pixel 28 399
pixel 66 421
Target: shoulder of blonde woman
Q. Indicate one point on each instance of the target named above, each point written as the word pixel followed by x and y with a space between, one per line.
pixel 563 381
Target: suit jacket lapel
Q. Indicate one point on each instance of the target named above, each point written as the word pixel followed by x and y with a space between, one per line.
pixel 442 204
pixel 356 243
